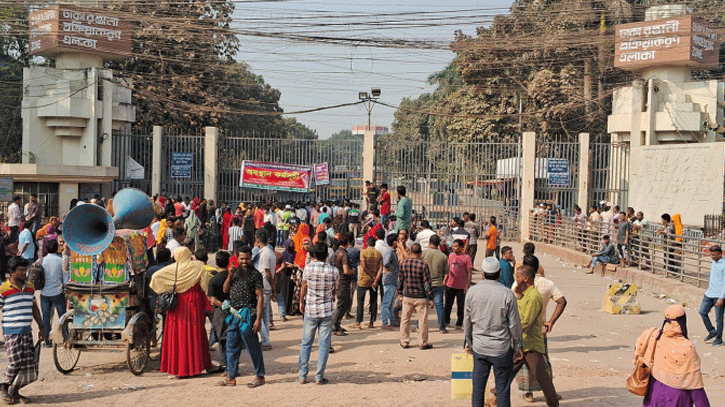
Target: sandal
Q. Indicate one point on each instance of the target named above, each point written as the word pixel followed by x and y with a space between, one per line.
pixel 227 382
pixel 322 381
pixel 256 383
pixel 8 399
pixel 339 333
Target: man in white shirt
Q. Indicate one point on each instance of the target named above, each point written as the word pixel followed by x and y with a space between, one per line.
pixel 423 237
pixel 15 218
pixel 265 263
pixel 52 296
pixel 179 235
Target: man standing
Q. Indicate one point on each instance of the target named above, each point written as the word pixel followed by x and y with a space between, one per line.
pixel 667 233
pixel 354 220
pixel 507 266
pixel 474 231
pixel 548 291
pixel 341 261
pixel 19 308
pixel 624 229
pixel 371 271
pixel 415 293
pixel 266 264
pixel 492 326
pixel 459 232
pixel 179 235
pixel 33 212
pixel 457 281
pixel 531 313
pixel 384 201
pixel 437 263
pixel 423 237
pixel 15 218
pixel 52 296
pixel 640 248
pixel 259 218
pixel 491 237
pixel 217 296
pixel 26 246
pixel 318 298
pixel 714 296
pixel 404 213
pixel 246 304
pixel 391 270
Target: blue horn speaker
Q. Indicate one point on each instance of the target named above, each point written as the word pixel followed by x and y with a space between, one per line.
pixel 89 229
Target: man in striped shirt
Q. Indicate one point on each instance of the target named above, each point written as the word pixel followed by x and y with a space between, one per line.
pixel 17 300
pixel 235 233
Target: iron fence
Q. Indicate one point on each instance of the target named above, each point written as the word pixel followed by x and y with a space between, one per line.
pixel 558 190
pixel 344 159
pixel 132 154
pixel 682 257
pixel 444 180
pixel 182 163
pixel 609 173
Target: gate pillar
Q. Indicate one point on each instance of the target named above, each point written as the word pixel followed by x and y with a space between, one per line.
pixel 156 160
pixel 211 163
pixel 368 160
pixel 528 181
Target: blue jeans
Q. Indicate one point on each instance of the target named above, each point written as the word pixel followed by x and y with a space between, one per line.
pixel 309 326
pixel 440 310
pixel 236 342
pixel 502 371
pixel 600 259
pixel 266 317
pixel 47 303
pixel 705 307
pixel 280 238
pixel 387 313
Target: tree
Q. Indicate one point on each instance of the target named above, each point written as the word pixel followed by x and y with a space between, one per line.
pixel 13 58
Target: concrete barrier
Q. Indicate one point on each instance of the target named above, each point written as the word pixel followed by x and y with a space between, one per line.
pixel 672 288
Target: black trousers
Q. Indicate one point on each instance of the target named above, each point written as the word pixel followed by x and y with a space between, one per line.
pixel 344 303
pixel 361 303
pixel 459 296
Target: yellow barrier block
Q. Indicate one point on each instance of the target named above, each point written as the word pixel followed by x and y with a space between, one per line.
pixel 461 376
pixel 621 298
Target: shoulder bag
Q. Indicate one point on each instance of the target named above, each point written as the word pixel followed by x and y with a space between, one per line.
pixel 638 381
pixel 167 300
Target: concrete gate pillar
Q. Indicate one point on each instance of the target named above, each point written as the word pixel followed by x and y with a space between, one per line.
pixel 583 187
pixel 528 181
pixel 211 164
pixel 368 160
pixel 156 160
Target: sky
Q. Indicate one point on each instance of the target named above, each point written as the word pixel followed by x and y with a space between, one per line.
pixel 313 74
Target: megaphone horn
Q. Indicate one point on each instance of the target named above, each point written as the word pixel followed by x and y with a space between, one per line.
pixel 89 229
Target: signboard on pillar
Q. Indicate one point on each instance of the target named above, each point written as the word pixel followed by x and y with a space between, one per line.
pixel 63 28
pixel 6 189
pixel 558 170
pixel 181 164
pixel 680 41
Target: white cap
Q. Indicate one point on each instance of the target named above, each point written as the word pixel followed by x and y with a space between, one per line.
pixel 288 207
pixel 491 265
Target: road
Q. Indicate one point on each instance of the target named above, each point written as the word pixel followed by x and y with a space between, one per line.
pixel 591 353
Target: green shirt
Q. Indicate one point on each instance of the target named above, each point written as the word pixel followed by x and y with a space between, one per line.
pixel 404 214
pixel 285 216
pixel 532 320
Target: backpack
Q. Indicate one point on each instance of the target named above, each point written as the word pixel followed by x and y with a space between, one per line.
pixel 36 275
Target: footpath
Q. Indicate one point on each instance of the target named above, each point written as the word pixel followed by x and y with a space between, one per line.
pixel 591 353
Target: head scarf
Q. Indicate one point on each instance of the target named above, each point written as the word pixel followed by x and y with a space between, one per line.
pixel 190 273
pixel 676 362
pixel 162 230
pixel 289 251
pixel 300 252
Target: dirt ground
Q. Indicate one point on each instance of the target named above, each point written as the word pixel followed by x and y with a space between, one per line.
pixel 591 353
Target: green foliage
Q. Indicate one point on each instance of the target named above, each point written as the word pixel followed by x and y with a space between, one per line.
pixel 13 57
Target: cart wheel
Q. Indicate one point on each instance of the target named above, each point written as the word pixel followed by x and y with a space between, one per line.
pixel 65 355
pixel 138 352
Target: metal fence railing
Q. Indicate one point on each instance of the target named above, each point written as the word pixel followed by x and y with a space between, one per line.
pixel 685 257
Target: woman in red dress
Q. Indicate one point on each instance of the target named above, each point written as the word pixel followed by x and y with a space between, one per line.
pixel 185 348
pixel 226 224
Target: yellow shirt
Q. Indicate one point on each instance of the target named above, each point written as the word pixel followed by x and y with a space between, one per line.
pixel 532 319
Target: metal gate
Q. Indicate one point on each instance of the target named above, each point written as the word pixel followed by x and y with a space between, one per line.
pixel 557 175
pixel 182 163
pixel 344 159
pixel 609 169
pixel 444 180
pixel 132 154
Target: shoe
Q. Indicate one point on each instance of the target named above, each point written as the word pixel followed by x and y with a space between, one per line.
pixel 426 346
pixel 528 397
pixel 227 382
pixel 388 328
pixel 370 325
pixel 357 326
pixel 47 344
pixel 284 319
pixel 589 272
pixel 256 383
pixel 459 328
pixel 322 381
pixel 348 316
pixel 404 346
pixel 443 331
pixel 710 337
pixel 302 381
pixel 267 347
pixel 717 343
pixel 332 350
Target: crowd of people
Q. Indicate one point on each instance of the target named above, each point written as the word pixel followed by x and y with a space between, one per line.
pixel 315 260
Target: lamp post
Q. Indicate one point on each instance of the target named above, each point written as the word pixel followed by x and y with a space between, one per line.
pixel 369 102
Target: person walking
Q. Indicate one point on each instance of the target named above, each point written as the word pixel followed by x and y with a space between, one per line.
pixel 492 330
pixel 52 296
pixel 404 213
pixel 531 313
pixel 457 281
pixel 371 272
pixel 674 381
pixel 714 297
pixel 391 269
pixel 245 287
pixel 318 294
pixel 415 292
pixel 437 263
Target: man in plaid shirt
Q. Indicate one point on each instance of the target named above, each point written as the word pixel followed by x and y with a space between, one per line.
pixel 317 295
pixel 415 293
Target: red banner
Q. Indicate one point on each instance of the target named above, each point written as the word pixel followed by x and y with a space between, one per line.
pixel 279 177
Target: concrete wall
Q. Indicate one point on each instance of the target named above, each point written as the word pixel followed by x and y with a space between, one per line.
pixel 684 179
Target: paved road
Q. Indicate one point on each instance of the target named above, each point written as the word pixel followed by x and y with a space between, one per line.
pixel 591 353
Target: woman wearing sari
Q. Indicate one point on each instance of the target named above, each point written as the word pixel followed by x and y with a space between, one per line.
pixel 676 379
pixel 226 224
pixel 185 348
pixel 212 235
pixel 302 243
pixel 192 225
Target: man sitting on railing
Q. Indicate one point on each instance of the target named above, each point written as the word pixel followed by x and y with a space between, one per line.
pixel 608 254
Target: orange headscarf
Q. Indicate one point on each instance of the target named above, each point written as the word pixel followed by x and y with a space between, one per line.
pixel 300 253
pixel 676 362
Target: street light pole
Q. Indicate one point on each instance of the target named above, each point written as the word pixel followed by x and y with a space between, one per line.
pixel 369 101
